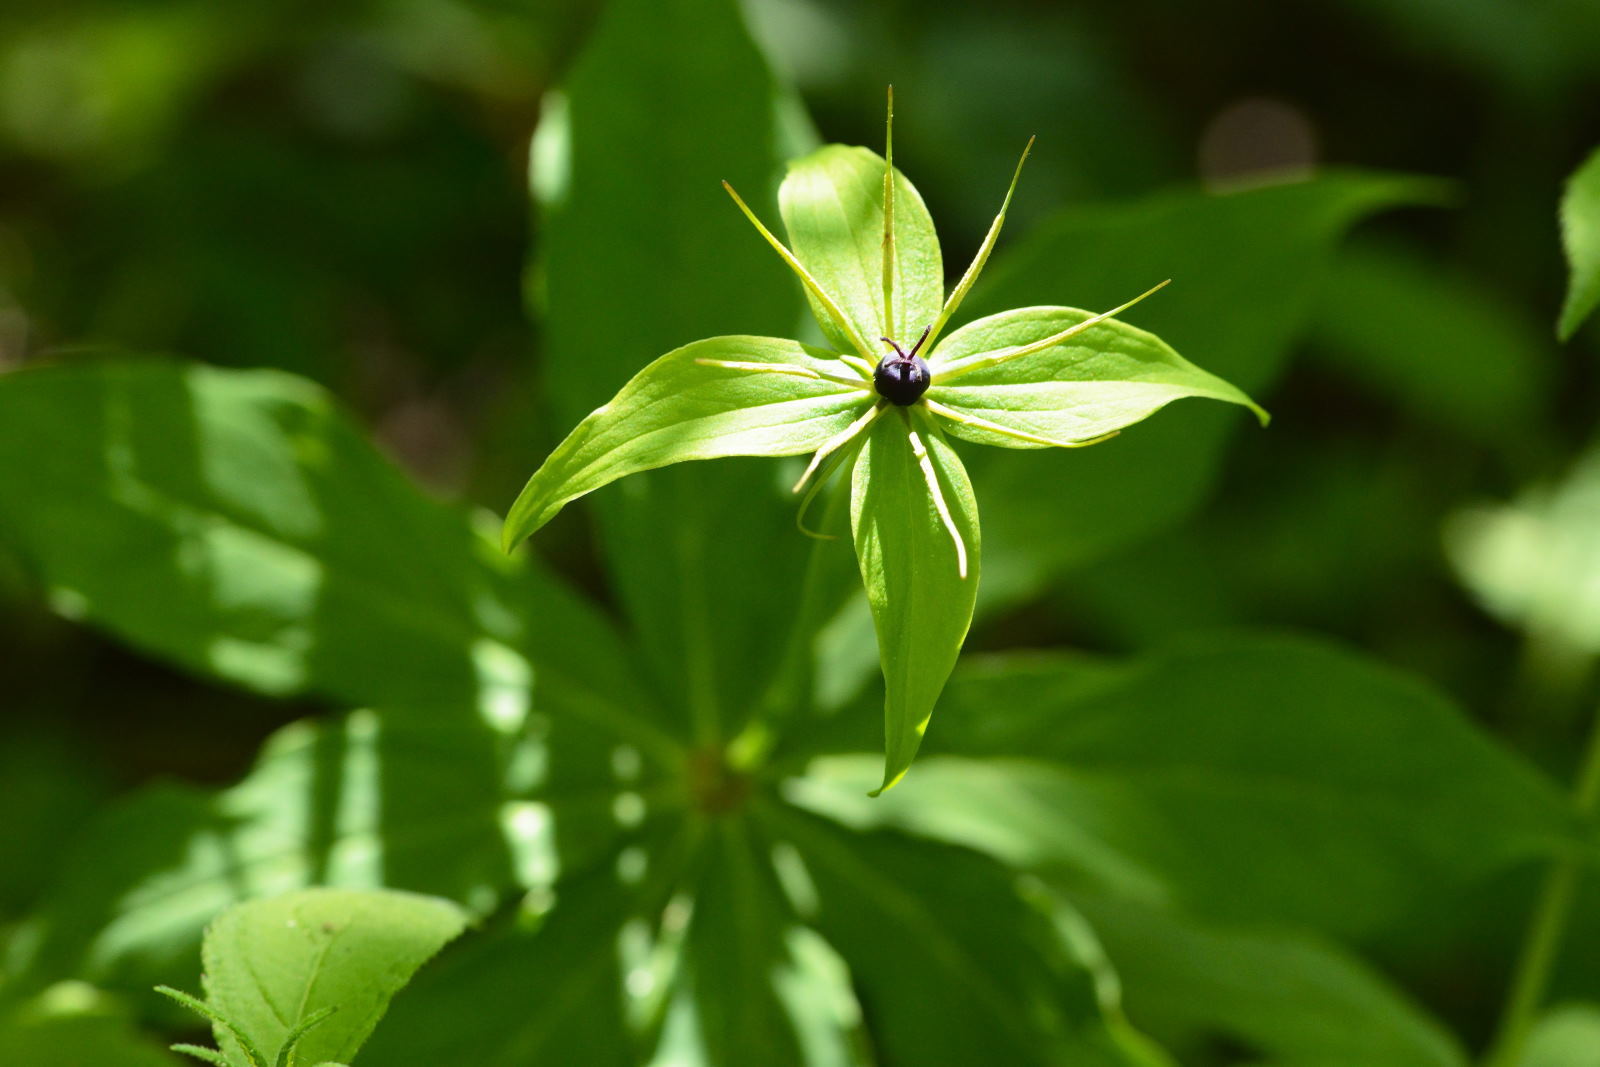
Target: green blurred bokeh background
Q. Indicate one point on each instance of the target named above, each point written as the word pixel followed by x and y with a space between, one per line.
pixel 341 191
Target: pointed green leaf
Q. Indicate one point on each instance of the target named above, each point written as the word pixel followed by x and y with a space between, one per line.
pixel 912 567
pixel 689 405
pixel 1244 267
pixel 937 938
pixel 1580 236
pixel 832 203
pixel 1243 779
pixel 1294 998
pixel 238 524
pixel 1094 383
pixel 272 966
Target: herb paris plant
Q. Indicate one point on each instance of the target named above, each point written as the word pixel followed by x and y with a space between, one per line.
pixel 866 253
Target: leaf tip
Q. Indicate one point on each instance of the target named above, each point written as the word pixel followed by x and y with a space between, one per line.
pixel 1572 317
pixel 889 782
pixel 509 539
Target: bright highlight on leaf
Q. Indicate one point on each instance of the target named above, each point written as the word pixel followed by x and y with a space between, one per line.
pixel 1580 236
pixel 864 248
pixel 994 359
pixel 303 978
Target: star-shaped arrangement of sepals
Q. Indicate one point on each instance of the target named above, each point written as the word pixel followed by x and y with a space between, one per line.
pixel 881 401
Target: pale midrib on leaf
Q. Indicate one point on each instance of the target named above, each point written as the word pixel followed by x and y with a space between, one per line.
pixel 1047 396
pixel 1074 364
pixel 615 438
pixel 314 973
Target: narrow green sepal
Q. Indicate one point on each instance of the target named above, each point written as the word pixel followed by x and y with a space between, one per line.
pixel 292 1038
pixel 206 1011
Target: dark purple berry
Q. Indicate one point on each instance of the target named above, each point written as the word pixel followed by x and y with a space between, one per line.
pixel 903 377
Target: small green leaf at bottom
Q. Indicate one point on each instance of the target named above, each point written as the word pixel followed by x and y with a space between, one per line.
pixel 304 977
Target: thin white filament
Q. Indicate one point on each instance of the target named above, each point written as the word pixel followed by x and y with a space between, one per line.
pixel 932 478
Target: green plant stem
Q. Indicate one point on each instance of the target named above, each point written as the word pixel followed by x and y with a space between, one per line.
pixel 1542 943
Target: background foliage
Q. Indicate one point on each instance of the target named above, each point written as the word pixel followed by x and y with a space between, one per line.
pixel 1279 716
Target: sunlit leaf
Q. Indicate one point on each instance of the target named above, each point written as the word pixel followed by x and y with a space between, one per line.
pixel 1243 779
pixel 758 979
pixel 832 202
pixel 274 966
pixel 937 936
pixel 238 524
pixel 1106 378
pixel 145 881
pixel 413 802
pixel 920 568
pixel 684 407
pixel 1580 236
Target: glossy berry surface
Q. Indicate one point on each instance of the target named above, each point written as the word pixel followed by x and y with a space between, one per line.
pixel 901 379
